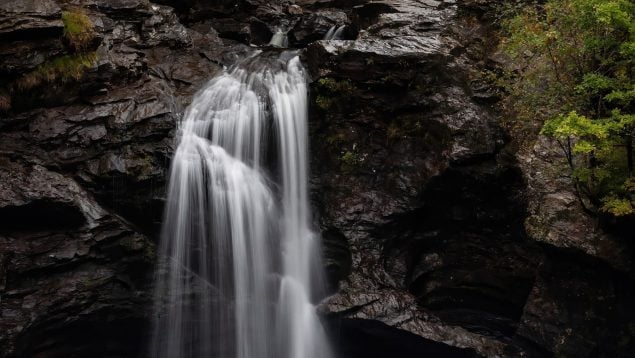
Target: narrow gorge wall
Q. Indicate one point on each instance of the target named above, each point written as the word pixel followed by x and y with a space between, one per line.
pixel 440 238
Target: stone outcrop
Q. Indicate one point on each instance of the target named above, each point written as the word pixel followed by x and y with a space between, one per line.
pixel 432 220
pixel 83 166
pixel 69 269
pixel 438 236
pixel 21 20
pixel 556 215
pixel 423 210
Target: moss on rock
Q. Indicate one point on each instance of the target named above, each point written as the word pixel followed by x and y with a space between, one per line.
pixel 78 28
pixel 60 69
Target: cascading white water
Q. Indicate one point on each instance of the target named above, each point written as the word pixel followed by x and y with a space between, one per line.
pixel 241 260
pixel 279 39
pixel 335 33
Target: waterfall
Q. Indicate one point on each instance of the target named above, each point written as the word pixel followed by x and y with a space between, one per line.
pixel 240 261
pixel 279 39
pixel 335 33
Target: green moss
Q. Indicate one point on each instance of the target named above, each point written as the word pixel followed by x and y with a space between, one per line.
pixel 331 91
pixel 79 32
pixel 61 69
pixel 324 102
pixel 78 29
pixel 349 161
pixel 332 85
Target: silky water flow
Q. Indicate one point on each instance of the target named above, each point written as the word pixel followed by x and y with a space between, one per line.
pixel 240 264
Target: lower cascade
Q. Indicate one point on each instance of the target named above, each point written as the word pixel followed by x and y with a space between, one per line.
pixel 241 266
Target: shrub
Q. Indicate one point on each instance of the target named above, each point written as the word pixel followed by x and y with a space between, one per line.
pixel 571 74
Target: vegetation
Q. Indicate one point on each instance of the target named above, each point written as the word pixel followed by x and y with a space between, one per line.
pixel 332 85
pixel 79 33
pixel 349 161
pixel 324 102
pixel 78 29
pixel 329 88
pixel 571 79
pixel 61 69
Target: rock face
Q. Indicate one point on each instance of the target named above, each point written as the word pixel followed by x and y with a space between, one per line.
pixel 20 20
pixel 412 176
pixel 433 224
pixel 70 270
pixel 439 239
pixel 82 174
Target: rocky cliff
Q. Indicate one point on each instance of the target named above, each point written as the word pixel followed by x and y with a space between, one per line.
pixel 441 238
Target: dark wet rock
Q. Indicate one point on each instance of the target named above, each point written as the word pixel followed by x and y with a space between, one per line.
pixel 117 138
pixel 315 25
pixel 467 261
pixel 163 28
pixel 21 56
pixel 71 269
pixel 29 15
pixel 398 117
pixel 578 307
pixel 437 212
pixel 555 214
pixel 21 22
pixel 235 30
pixel 295 10
pixel 83 171
pixel 338 256
pixel 38 191
pixel 124 9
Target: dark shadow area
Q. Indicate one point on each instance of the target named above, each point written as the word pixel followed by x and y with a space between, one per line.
pixel 40 215
pixel 96 336
pixel 337 257
pixel 464 254
pixel 361 338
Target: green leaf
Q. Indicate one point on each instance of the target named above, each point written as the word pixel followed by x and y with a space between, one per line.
pixel 583 147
